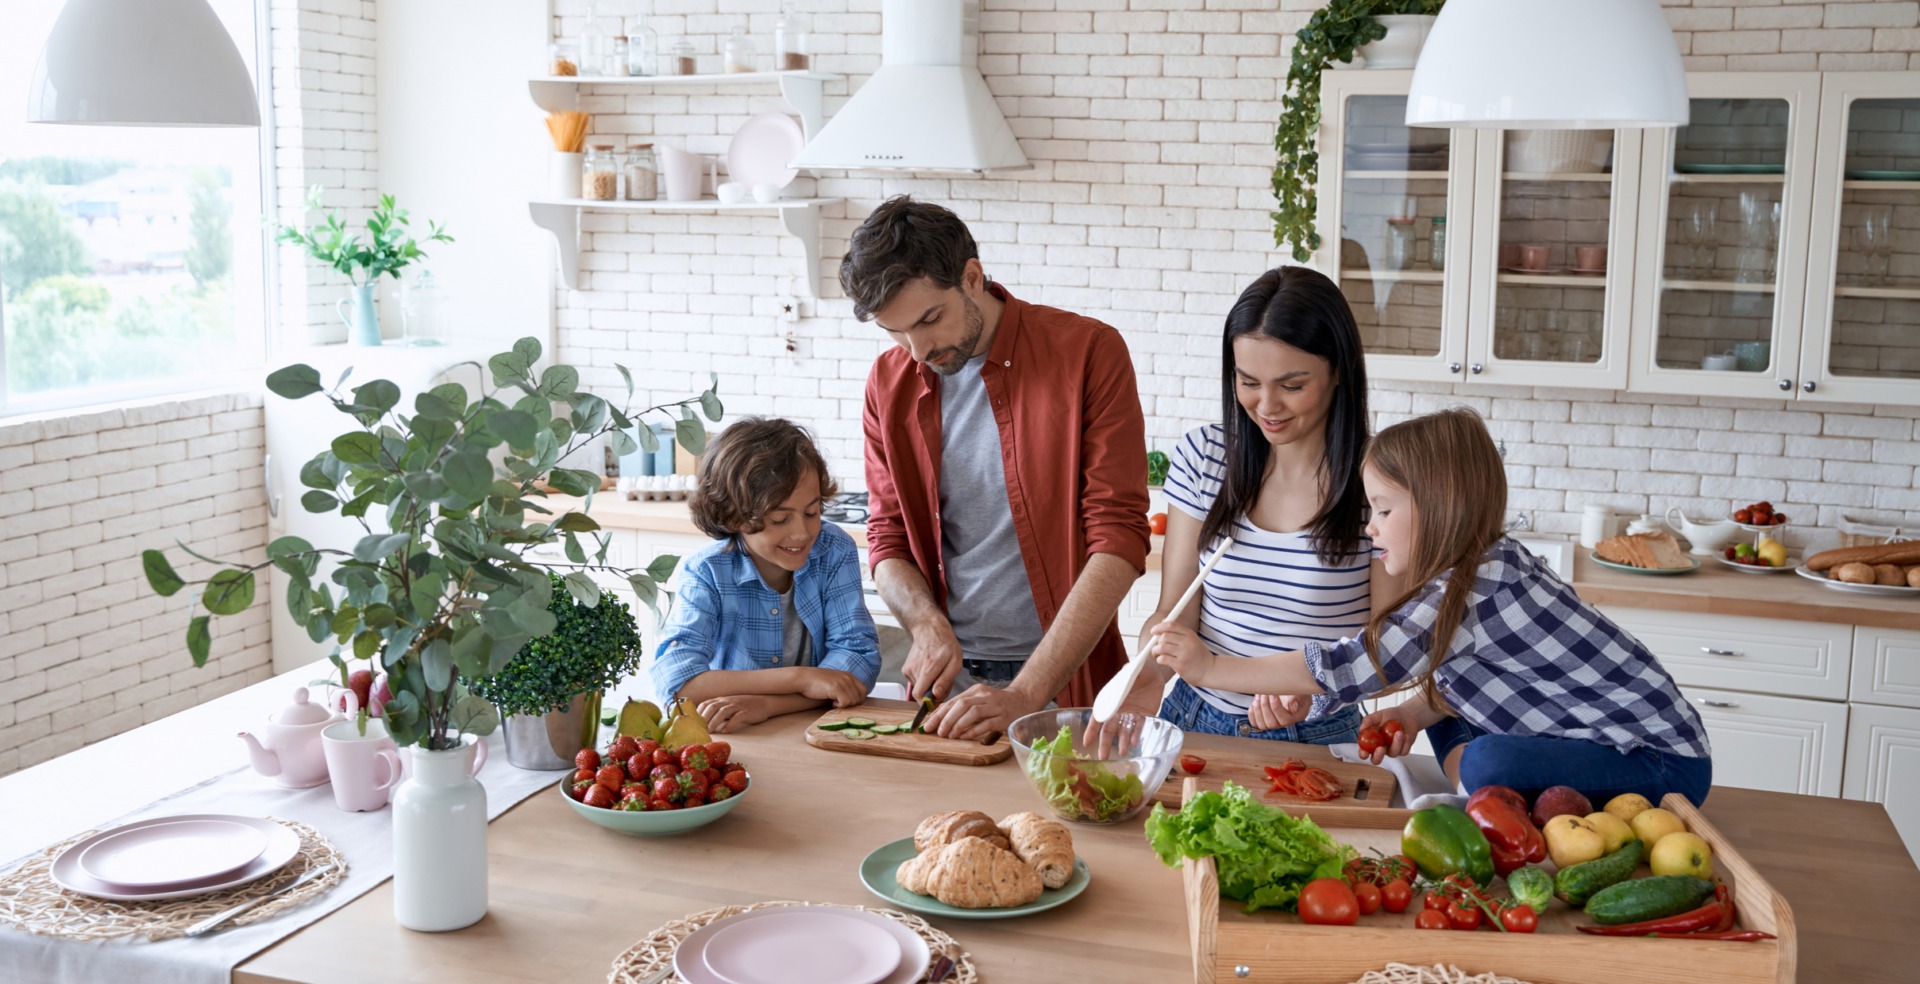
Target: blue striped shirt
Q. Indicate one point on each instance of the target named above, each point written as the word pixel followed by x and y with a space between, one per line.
pixel 725 617
pixel 1273 593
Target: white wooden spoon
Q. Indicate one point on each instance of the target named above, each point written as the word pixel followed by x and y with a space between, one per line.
pixel 1108 701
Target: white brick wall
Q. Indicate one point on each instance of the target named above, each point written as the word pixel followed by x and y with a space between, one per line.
pixel 87 650
pixel 1149 124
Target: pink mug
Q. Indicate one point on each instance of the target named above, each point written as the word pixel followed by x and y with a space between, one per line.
pixel 1509 256
pixel 364 768
pixel 1534 258
pixel 1590 259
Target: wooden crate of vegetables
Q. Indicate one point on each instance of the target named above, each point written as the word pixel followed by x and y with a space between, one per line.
pixel 1273 866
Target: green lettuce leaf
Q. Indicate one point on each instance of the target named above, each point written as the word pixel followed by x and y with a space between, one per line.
pixel 1077 788
pixel 1263 856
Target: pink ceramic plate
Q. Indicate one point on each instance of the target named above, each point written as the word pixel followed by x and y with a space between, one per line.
pixel 691 959
pixel 170 855
pixel 763 148
pixel 282 845
pixel 798 945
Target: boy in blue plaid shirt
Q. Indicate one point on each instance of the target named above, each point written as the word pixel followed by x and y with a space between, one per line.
pixel 771 618
pixel 1523 684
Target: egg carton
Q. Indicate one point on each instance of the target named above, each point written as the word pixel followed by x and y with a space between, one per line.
pixel 656 488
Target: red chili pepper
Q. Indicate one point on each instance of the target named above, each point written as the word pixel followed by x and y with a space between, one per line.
pixel 1725 898
pixel 1696 920
pixel 1737 936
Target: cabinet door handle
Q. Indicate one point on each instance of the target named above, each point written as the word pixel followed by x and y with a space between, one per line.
pixel 1708 702
pixel 1710 651
pixel 1477 368
pixel 1809 385
pixel 1786 384
pixel 1453 367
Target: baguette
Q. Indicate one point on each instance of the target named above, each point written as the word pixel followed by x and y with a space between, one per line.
pixel 1883 553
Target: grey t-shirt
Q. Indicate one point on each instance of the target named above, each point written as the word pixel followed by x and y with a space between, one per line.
pixel 989 600
pixel 796 643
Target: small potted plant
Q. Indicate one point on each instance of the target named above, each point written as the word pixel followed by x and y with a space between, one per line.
pixel 549 692
pixel 1334 33
pixel 388 249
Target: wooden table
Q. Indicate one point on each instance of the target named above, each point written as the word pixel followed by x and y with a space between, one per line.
pixel 567 896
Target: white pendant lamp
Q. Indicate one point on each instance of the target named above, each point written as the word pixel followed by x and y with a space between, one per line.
pixel 1550 65
pixel 141 63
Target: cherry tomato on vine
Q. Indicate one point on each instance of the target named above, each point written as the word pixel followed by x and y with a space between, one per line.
pixel 1463 916
pixel 1430 919
pixel 1435 901
pixel 1396 895
pixel 1368 895
pixel 1520 919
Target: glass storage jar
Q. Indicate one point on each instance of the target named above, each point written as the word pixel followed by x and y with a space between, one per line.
pixel 681 57
pixel 617 61
pixel 600 176
pixel 790 51
pixel 1437 244
pixel 563 58
pixel 643 49
pixel 642 174
pixel 1401 243
pixel 738 54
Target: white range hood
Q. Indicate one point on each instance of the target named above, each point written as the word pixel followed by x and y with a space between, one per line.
pixel 927 108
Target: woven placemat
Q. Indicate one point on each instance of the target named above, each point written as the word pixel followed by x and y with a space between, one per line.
pixel 1399 973
pixel 649 956
pixel 30 900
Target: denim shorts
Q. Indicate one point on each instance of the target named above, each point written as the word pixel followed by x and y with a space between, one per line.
pixel 1189 711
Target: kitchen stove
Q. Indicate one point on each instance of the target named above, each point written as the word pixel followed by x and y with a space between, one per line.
pixel 847 507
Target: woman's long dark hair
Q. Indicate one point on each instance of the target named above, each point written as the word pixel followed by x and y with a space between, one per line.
pixel 1304 309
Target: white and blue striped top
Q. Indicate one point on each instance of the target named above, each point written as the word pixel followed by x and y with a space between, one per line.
pixel 1273 593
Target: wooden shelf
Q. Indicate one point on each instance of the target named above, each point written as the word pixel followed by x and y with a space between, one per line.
pixel 801 89
pixel 1680 178
pixel 799 216
pixel 1884 293
pixel 1552 280
pixel 1397 175
pixel 1881 185
pixel 1724 286
pixel 1416 276
pixel 1553 176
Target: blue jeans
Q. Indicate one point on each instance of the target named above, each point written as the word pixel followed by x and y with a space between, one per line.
pixel 1531 763
pixel 1188 711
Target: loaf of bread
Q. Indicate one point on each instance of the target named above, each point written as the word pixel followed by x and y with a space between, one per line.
pixel 1854 573
pixel 1913 576
pixel 1891 575
pixel 1883 553
pixel 1650 551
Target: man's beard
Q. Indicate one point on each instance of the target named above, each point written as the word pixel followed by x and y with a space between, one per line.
pixel 976 326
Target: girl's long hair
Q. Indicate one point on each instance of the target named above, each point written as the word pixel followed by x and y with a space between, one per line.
pixel 1450 468
pixel 1304 309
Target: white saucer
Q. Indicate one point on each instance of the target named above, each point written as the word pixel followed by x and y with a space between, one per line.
pixel 282 845
pixel 763 148
pixel 162 856
pixel 690 962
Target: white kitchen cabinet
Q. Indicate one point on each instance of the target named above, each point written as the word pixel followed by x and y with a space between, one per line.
pixel 1883 765
pixel 1770 656
pixel 1886 667
pixel 1140 604
pixel 1782 744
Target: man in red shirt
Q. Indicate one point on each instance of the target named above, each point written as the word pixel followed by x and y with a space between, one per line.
pixel 1006 476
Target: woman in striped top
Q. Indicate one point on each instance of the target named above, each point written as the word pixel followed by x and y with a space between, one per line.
pixel 1281 478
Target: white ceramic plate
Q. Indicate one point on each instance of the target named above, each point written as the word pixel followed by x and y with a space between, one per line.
pixel 171 855
pixel 282 845
pixel 1871 589
pixel 1594 555
pixel 802 945
pixel 690 960
pixel 763 148
pixel 1793 563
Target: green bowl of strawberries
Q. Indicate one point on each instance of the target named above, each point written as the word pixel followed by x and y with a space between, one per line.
pixel 643 789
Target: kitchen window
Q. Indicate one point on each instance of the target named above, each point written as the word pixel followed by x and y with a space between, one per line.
pixel 133 261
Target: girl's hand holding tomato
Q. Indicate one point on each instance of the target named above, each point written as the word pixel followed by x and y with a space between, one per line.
pixel 1179 648
pixel 1385 733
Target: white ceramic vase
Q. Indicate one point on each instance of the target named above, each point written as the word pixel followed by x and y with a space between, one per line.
pixel 1406 34
pixel 440 841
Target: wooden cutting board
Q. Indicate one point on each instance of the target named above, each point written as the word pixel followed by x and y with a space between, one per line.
pixel 1242 759
pixel 931 748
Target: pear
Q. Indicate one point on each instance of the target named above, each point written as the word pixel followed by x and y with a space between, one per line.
pixel 687 729
pixel 639 719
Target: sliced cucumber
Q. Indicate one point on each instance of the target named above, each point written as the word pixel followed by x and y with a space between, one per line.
pixel 858 734
pixel 859 722
pixel 834 726
pixel 884 729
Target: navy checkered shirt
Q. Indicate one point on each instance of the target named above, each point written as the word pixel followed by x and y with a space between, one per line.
pixel 1529 658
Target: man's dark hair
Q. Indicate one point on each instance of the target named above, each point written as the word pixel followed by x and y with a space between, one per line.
pixel 903 241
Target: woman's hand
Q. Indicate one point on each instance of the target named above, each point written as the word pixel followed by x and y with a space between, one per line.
pixel 736 711
pixel 1179 648
pixel 1270 711
pixel 1400 741
pixel 842 688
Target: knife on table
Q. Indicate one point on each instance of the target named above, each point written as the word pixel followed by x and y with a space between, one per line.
pixel 920 716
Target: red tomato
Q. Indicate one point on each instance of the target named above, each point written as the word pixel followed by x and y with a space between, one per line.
pixel 1372 739
pixel 1463 917
pixel 1430 919
pixel 1192 764
pixel 1520 919
pixel 1396 895
pixel 1369 897
pixel 624 747
pixel 599 796
pixel 1158 523
pixel 611 776
pixel 717 754
pixel 1328 902
pixel 1393 728
pixel 586 758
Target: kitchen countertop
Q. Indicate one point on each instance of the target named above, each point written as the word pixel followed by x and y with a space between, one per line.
pixel 568 896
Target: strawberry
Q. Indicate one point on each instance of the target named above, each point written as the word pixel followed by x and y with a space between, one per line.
pixel 718 752
pixel 735 780
pixel 611 776
pixel 693 758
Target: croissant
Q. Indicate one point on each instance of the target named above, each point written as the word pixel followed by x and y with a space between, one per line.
pixel 970 874
pixel 1045 845
pixel 942 829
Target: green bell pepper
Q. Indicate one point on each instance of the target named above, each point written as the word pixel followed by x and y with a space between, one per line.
pixel 1443 840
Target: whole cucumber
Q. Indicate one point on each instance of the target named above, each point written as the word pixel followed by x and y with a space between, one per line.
pixel 1648 898
pixel 1577 884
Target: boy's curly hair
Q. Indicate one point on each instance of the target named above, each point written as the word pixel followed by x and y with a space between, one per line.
pixel 749 470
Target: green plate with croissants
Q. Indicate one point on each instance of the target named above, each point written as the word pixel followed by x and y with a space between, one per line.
pixel 877 873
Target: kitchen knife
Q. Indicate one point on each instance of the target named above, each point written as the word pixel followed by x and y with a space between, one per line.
pixel 920 716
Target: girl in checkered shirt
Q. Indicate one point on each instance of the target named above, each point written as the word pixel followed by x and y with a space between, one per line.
pixel 1520 682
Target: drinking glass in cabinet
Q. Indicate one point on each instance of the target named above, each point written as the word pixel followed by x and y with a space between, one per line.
pixel 1393 185
pixel 1877 274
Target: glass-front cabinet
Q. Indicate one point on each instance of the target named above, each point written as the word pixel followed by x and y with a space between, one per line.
pixel 1718 299
pixel 1862 341
pixel 1393 221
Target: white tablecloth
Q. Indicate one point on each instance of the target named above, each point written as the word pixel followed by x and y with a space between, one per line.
pixel 365 839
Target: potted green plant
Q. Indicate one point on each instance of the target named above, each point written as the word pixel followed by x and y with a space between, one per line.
pixel 549 693
pixel 388 249
pixel 440 587
pixel 1333 33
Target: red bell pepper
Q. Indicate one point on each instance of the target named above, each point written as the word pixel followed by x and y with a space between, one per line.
pixel 1501 814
